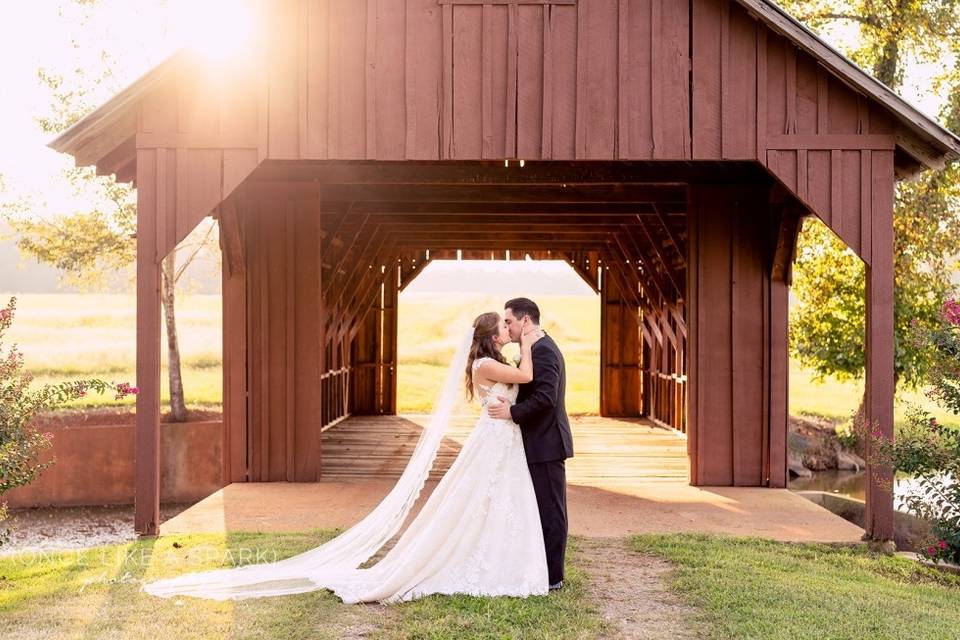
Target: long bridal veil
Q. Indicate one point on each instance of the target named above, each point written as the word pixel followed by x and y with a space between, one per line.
pixel 339 557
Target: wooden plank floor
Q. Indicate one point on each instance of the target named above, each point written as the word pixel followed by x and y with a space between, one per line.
pixel 606 450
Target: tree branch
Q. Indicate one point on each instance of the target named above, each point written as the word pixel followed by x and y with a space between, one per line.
pixel 829 15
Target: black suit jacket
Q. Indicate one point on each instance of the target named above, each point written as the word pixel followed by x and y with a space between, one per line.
pixel 540 409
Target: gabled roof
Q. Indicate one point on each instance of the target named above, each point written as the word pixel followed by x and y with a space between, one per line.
pixel 105 137
pixel 845 69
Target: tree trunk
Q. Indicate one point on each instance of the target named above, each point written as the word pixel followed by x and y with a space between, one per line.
pixel 178 409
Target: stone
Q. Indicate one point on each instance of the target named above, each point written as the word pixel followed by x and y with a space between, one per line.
pixel 847 460
pixel 796 467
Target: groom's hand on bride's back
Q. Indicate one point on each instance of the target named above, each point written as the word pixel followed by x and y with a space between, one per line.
pixel 501 410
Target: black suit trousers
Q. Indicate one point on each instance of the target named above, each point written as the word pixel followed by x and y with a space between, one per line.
pixel 550 486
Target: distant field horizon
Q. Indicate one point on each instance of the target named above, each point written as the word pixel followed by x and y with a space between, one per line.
pixel 68 336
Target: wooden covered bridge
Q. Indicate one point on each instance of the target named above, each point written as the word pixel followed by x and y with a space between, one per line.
pixel 666 149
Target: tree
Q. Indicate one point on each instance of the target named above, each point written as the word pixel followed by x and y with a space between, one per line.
pixel 90 245
pixel 827 330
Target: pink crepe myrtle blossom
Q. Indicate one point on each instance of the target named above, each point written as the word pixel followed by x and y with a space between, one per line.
pixel 124 389
pixel 951 312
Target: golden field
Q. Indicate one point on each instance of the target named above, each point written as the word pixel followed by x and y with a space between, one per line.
pixel 66 336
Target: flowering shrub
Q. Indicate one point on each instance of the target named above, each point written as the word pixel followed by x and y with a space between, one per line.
pixel 20 443
pixel 926 449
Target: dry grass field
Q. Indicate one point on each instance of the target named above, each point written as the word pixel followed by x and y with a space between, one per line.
pixel 65 336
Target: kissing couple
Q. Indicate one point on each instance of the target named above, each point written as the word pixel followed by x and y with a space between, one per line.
pixel 496 523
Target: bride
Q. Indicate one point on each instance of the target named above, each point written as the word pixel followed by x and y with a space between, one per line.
pixel 479 532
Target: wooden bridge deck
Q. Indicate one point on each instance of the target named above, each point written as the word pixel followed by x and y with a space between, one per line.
pixel 628 476
pixel 605 449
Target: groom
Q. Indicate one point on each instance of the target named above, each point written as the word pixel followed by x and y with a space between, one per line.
pixel 547 441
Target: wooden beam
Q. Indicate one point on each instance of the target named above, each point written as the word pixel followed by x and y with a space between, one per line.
pixel 785 246
pixel 487 172
pixel 678 244
pixel 584 210
pixel 508 193
pixel 231 237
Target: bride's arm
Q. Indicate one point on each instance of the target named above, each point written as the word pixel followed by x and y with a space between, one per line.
pixel 499 372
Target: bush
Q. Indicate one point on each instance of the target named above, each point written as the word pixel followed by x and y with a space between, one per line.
pixel 20 443
pixel 925 448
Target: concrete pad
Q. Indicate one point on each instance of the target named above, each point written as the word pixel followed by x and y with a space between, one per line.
pixel 654 508
pixel 628 476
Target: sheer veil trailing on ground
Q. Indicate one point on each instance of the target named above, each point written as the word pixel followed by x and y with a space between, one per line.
pixel 339 557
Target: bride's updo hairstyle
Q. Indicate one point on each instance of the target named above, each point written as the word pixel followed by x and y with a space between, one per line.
pixel 485 327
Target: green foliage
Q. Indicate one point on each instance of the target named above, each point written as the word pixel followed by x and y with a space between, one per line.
pixel 20 443
pixel 826 328
pixel 87 246
pixel 924 448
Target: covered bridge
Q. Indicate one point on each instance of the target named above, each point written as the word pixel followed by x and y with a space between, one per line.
pixel 667 149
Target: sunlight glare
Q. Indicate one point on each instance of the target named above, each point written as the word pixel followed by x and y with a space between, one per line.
pixel 219 30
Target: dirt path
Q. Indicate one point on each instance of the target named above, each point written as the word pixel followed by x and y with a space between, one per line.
pixel 632 593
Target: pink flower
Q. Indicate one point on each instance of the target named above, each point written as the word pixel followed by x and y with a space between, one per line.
pixel 942 544
pixel 931 551
pixel 134 390
pixel 951 311
pixel 4 314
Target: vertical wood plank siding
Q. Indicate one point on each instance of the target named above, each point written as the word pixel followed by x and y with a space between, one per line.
pixel 737 420
pixel 286 348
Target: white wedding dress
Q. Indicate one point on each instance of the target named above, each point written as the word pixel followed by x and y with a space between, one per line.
pixel 478 533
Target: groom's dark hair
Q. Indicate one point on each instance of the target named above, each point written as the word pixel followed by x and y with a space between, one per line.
pixel 524 307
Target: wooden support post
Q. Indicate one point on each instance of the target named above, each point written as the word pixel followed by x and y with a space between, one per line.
pixel 151 205
pixel 234 292
pixel 729 367
pixel 387 380
pixel 620 392
pixel 363 361
pixel 878 519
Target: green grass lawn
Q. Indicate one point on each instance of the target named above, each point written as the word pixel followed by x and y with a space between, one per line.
pixel 95 594
pixel 66 336
pixel 738 588
pixel 753 588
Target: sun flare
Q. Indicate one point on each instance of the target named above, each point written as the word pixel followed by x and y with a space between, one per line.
pixel 218 30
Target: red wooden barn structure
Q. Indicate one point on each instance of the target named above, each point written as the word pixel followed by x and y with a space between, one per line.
pixel 666 149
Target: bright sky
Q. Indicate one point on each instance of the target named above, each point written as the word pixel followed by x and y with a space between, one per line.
pixel 39 34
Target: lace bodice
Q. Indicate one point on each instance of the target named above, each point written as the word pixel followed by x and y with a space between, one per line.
pixel 487 393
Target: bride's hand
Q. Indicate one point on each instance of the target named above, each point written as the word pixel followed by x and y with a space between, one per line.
pixel 500 411
pixel 528 338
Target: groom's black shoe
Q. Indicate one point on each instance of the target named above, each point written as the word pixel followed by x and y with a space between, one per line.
pixel 556 585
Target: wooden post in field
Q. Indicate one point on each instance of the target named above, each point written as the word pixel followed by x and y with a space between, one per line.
pixel 151 205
